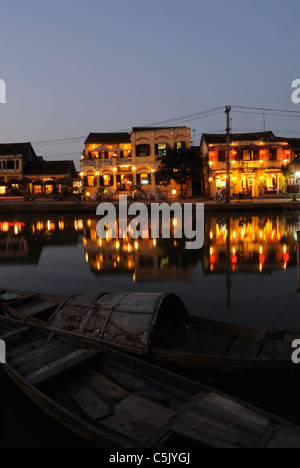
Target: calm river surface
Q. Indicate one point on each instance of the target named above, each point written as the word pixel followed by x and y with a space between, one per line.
pixel 245 273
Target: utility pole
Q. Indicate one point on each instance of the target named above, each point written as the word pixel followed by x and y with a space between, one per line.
pixel 227 112
pixel 298 258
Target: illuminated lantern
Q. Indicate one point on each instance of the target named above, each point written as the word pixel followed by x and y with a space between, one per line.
pixel 286 257
pixel 262 258
pixel 234 259
pixel 212 259
pixel 211 155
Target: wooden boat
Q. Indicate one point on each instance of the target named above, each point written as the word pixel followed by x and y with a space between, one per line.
pixel 158 327
pixel 112 399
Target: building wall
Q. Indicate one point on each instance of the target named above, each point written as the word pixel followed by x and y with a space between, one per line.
pixel 133 170
pixel 256 177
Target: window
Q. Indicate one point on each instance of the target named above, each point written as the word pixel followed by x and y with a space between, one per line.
pixel 143 179
pixel 106 180
pixel 221 155
pixel 142 150
pixel 3 164
pixel 0 165
pixel 91 181
pixel 10 164
pixel 161 149
pixel 17 165
pixel 180 144
pixel 273 154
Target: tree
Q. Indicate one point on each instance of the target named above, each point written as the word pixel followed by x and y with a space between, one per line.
pixel 286 170
pixel 179 164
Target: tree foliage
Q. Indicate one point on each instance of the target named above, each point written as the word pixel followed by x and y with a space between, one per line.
pixel 179 164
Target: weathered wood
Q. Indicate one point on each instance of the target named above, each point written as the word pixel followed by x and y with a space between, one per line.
pixel 13 333
pixel 37 308
pixel 128 425
pixel 61 365
pixel 243 347
pixel 93 406
pixel 146 410
pixel 104 385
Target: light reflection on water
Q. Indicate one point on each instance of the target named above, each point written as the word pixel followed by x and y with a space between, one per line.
pixel 245 273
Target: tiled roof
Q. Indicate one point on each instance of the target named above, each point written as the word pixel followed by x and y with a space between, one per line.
pixel 145 129
pixel 51 168
pixel 212 138
pixel 13 148
pixel 98 138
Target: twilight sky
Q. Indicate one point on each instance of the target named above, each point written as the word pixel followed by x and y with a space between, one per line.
pixel 73 67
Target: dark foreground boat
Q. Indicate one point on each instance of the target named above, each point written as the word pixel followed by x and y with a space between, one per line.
pixel 157 326
pixel 111 399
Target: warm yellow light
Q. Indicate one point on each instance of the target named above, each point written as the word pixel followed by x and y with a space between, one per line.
pixel 117 245
pixel 210 179
pixel 211 235
pixel 88 194
pixel 211 251
pixel 114 169
pixel 97 173
pixel 81 174
pixel 136 245
pixel 261 250
pixel 133 168
pixel 87 257
pixel 174 192
pixel 175 222
pixel 16 229
pixel 233 162
pixel 152 170
pixel 210 163
pixel 233 251
pixel 284 249
pixel 261 161
pixel 89 222
pixel 154 242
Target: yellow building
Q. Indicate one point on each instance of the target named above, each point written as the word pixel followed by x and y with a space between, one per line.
pixel 121 162
pixel 256 160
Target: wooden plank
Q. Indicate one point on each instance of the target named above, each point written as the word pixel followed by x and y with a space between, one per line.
pixel 205 431
pixel 41 353
pixel 13 333
pixel 92 405
pixel 161 397
pixel 23 347
pixel 224 409
pixel 210 342
pixel 61 365
pixel 105 385
pixel 220 422
pixel 37 308
pixel 243 347
pixel 128 425
pixel 284 437
pixel 148 411
pixel 124 378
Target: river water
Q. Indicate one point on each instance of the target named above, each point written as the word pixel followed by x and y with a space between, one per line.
pixel 246 272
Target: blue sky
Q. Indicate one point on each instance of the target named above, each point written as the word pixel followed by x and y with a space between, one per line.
pixel 72 67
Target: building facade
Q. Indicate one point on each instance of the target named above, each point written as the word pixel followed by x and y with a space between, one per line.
pixel 256 162
pixel 13 159
pixel 21 170
pixel 126 162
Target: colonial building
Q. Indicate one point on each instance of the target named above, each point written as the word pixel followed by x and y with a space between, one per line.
pixel 13 159
pixel 120 162
pixel 20 166
pixel 43 175
pixel 256 161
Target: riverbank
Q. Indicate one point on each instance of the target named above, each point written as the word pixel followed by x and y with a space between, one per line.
pixel 63 207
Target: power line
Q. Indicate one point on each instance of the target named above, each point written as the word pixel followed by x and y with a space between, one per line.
pixel 267 109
